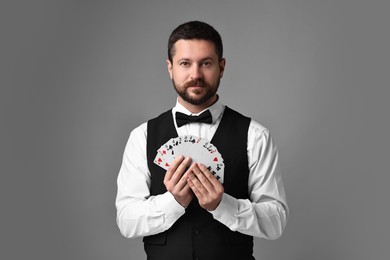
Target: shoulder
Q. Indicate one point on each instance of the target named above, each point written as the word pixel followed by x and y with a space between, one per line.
pixel 142 130
pixel 235 113
pixel 236 119
pixel 162 117
pixel 258 128
pixel 258 132
pixel 139 132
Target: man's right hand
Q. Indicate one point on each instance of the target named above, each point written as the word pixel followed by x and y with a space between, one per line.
pixel 175 180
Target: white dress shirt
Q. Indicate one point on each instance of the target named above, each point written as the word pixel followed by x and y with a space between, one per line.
pixel 264 214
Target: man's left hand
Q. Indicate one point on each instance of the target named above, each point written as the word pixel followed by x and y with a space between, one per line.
pixel 205 186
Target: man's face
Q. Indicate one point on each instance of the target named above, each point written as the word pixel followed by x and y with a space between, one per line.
pixel 196 71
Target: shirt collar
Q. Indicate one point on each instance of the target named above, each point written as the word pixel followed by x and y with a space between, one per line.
pixel 216 109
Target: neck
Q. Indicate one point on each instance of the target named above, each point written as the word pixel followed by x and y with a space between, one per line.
pixel 194 109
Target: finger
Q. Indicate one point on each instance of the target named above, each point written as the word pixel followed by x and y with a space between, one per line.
pixel 210 177
pixel 186 187
pixel 171 170
pixel 181 169
pixel 182 183
pixel 183 180
pixel 201 176
pixel 197 183
pixel 194 189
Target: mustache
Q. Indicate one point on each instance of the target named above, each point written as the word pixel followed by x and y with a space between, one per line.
pixel 198 82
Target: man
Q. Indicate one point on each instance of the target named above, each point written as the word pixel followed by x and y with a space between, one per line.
pixel 185 212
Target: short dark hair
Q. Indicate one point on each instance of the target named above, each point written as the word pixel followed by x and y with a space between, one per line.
pixel 195 30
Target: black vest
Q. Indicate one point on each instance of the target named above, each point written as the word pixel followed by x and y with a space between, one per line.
pixel 196 234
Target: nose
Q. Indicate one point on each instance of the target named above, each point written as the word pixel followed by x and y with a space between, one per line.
pixel 196 72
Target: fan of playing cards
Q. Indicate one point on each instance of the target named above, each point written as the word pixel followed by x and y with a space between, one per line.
pixel 199 149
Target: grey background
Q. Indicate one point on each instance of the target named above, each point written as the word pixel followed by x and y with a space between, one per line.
pixel 78 76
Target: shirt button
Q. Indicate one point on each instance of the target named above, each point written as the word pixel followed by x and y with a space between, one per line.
pixel 196 232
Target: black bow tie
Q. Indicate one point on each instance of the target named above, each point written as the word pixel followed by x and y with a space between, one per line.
pixel 182 119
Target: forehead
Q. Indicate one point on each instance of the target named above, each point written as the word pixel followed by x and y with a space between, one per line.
pixel 194 49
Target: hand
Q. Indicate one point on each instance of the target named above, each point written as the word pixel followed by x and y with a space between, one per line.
pixel 175 181
pixel 205 186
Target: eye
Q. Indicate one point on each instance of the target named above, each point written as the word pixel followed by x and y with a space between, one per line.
pixel 206 63
pixel 184 63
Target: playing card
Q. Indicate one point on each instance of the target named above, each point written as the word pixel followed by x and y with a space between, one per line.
pixel 199 149
pixel 161 158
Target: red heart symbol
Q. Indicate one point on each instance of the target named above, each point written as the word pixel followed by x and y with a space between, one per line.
pixel 215 159
pixel 159 160
pixel 164 152
pixel 166 164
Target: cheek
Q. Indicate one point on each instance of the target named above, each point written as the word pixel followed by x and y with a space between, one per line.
pixel 179 76
pixel 214 76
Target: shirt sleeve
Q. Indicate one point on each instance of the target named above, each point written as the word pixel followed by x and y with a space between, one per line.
pixel 265 214
pixel 139 213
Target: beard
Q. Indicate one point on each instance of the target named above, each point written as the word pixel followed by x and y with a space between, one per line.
pixel 196 97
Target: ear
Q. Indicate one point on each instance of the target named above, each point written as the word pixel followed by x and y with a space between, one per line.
pixel 222 64
pixel 169 65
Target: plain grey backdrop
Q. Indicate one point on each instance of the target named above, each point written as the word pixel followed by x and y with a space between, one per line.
pixel 78 76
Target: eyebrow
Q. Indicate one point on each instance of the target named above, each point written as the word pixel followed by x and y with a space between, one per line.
pixel 201 60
